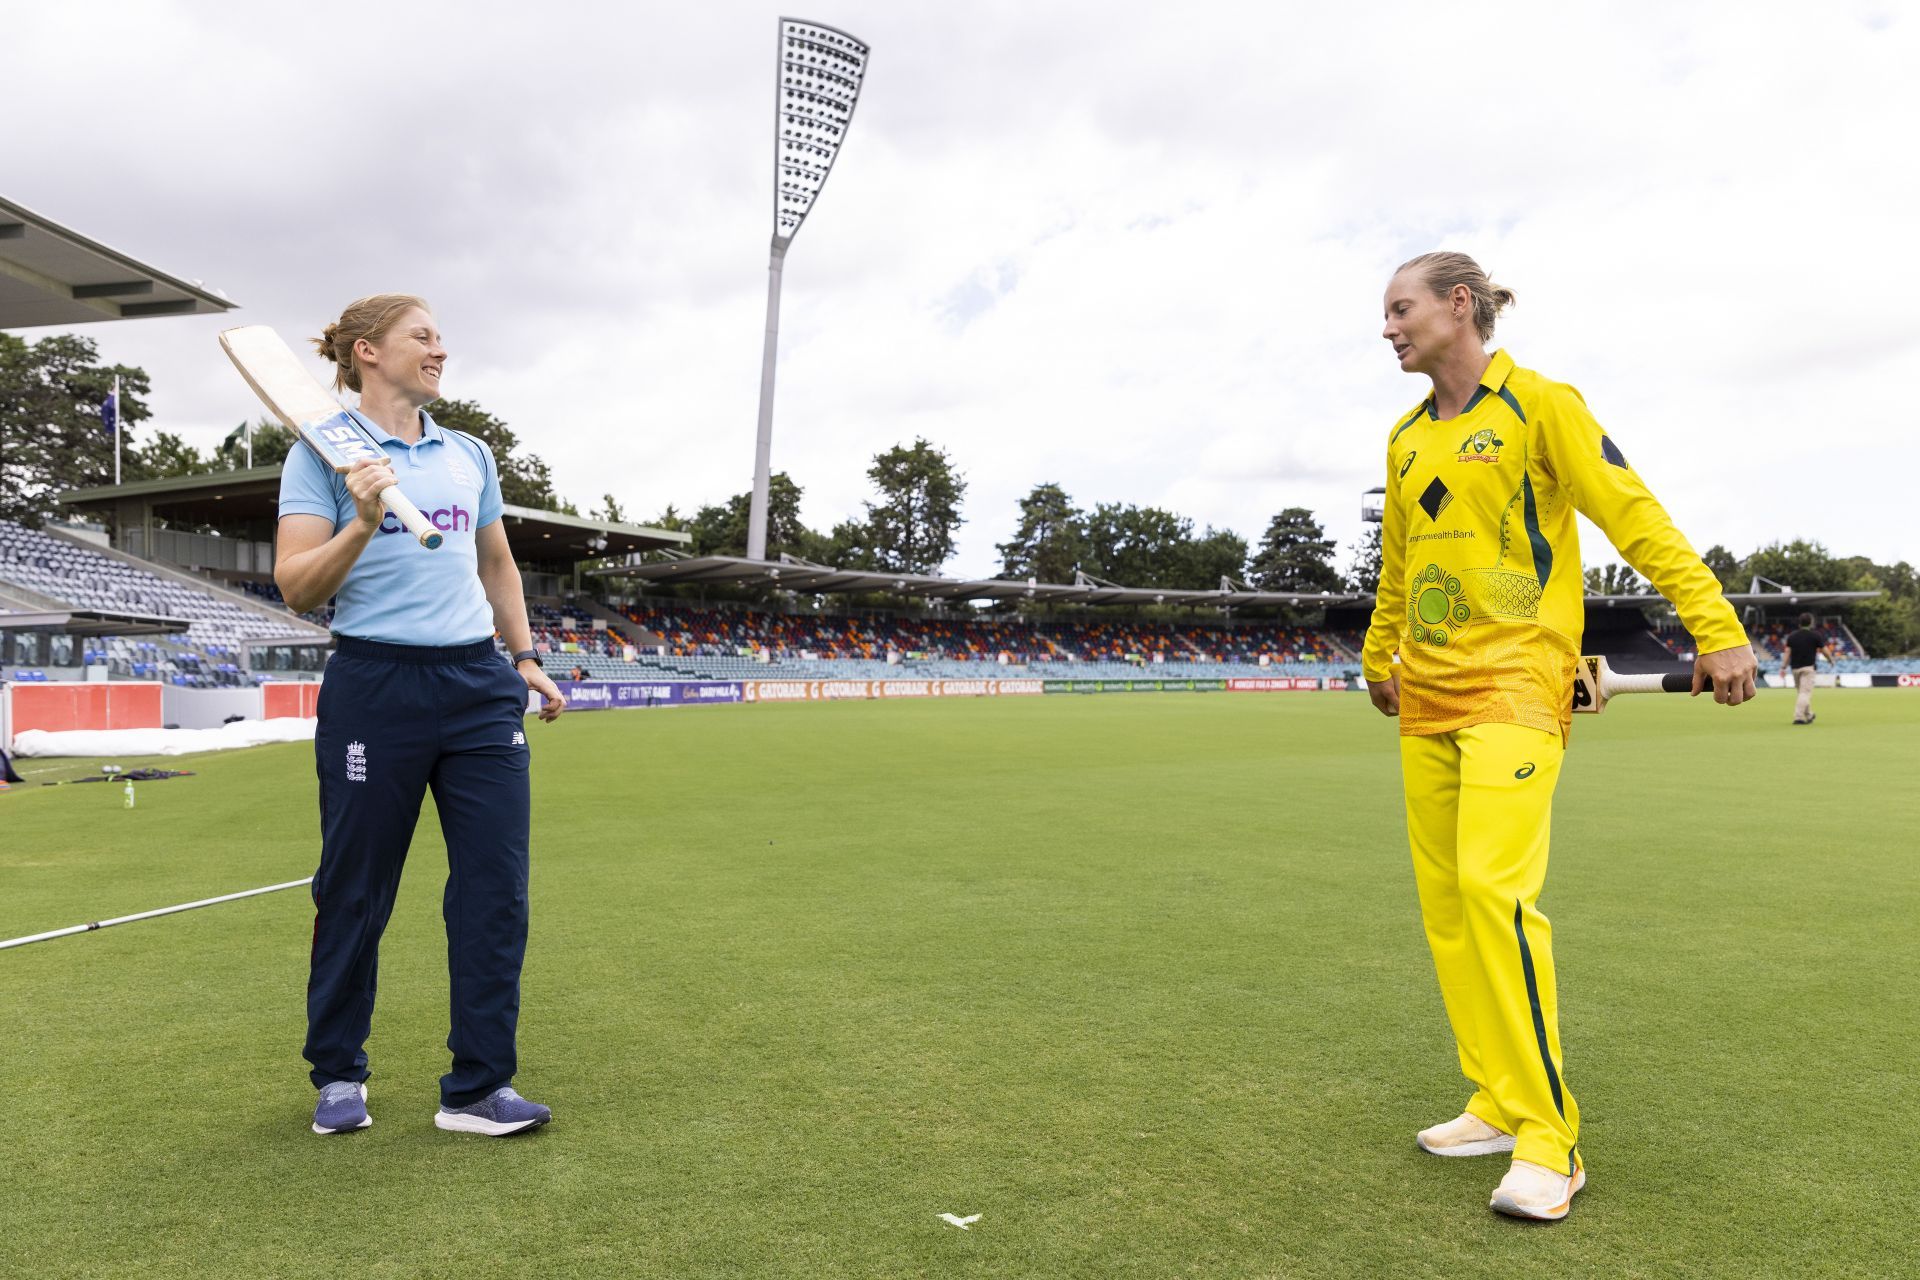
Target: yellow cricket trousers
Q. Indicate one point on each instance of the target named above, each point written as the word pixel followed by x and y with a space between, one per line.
pixel 1479 810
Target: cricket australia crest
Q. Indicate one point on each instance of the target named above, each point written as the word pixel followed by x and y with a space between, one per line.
pixel 1482 446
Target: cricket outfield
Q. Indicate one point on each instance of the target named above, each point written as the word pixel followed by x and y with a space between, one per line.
pixel 1139 979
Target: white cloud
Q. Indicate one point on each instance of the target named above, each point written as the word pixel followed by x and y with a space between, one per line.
pixel 1134 250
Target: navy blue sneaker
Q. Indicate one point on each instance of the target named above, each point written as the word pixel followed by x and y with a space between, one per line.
pixel 498 1114
pixel 342 1108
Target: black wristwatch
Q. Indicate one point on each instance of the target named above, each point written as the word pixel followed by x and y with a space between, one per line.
pixel 529 655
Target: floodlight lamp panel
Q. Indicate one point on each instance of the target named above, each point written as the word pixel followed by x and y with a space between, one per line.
pixel 820 74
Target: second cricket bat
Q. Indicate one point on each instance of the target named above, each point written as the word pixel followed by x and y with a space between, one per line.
pixel 1594 683
pixel 284 386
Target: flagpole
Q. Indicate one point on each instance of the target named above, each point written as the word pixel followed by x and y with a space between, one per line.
pixel 117 430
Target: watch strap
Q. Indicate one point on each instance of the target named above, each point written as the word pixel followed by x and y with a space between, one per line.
pixel 525 654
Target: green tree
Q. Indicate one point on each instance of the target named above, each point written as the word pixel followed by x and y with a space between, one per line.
pixel 721 529
pixel 1050 540
pixel 1153 547
pixel 848 546
pixel 1615 580
pixel 1363 569
pixel 610 510
pixel 1295 555
pixel 912 525
pixel 1199 563
pixel 1802 565
pixel 164 456
pixel 1888 626
pixel 1725 566
pixel 525 478
pixel 271 444
pixel 1135 546
pixel 51 436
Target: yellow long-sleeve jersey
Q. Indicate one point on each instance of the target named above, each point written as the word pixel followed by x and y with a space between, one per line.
pixel 1481 587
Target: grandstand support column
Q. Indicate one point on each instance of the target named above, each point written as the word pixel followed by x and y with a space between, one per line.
pixel 763 442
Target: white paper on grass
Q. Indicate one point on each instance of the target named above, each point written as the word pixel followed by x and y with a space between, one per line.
pixel 161 742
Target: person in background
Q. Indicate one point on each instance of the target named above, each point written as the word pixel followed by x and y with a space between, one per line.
pixel 1800 654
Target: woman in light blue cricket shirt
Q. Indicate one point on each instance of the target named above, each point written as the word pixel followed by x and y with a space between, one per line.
pixel 415 697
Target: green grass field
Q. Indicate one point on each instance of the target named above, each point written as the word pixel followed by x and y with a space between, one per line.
pixel 1140 979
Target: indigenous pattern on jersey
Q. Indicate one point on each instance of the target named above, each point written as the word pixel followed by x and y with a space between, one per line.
pixel 1481 588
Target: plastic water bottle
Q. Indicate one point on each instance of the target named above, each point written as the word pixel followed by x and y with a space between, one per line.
pixel 129 793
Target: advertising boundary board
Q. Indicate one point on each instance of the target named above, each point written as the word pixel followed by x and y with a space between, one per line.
pixel 64 705
pixel 633 695
pixel 636 695
pixel 299 699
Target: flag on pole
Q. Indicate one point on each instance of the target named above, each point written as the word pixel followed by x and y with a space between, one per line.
pixel 110 419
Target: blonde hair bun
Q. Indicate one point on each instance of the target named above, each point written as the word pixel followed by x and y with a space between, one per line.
pixel 1446 271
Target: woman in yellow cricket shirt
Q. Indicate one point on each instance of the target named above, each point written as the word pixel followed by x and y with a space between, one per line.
pixel 1481 597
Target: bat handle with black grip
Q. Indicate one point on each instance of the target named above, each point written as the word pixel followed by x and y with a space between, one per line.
pixel 1682 682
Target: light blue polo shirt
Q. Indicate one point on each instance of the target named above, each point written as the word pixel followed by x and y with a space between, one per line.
pixel 398 591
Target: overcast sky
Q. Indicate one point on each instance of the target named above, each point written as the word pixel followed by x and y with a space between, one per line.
pixel 1135 249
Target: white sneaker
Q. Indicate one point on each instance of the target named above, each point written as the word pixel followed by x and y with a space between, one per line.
pixel 1467 1136
pixel 1534 1191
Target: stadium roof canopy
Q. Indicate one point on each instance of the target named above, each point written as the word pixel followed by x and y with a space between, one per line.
pixel 250 499
pixel 22 609
pixel 92 622
pixel 52 275
pixel 791 574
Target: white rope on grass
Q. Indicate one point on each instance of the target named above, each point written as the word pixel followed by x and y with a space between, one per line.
pixel 148 915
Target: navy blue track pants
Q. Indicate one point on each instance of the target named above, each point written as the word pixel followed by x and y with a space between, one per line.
pixel 394 721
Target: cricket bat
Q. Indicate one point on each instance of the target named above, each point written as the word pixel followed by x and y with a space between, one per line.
pixel 284 386
pixel 1594 683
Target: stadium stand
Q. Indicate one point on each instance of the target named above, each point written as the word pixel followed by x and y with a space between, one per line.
pixel 1771 638
pixel 269 592
pixel 733 643
pixel 568 630
pixel 207 655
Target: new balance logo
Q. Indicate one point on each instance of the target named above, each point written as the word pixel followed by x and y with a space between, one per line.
pixel 519 738
pixel 356 762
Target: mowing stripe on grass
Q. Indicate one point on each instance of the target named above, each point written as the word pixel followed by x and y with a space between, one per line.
pixel 148 915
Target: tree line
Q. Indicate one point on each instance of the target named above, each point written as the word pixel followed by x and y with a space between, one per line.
pixel 52 439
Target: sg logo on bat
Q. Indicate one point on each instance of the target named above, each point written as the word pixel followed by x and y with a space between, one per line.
pixel 348 443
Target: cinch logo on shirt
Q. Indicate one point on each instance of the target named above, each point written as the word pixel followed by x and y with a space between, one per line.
pixel 454 519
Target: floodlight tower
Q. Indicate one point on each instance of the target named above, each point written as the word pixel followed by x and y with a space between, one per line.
pixel 821 69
